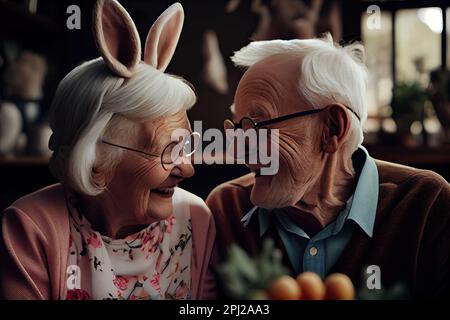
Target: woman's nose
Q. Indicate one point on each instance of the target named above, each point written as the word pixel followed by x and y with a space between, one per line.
pixel 184 169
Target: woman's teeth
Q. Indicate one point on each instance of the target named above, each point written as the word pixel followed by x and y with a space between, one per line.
pixel 164 191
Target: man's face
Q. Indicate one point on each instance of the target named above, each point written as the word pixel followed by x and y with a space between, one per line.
pixel 269 89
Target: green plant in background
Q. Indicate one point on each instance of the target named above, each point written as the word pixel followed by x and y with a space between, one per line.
pixel 407 104
pixel 244 277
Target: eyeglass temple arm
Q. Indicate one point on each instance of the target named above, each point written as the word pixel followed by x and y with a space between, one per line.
pixel 288 117
pixel 353 111
pixel 297 114
pixel 130 149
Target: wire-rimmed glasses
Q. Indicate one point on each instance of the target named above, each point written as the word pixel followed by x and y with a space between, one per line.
pixel 247 123
pixel 174 153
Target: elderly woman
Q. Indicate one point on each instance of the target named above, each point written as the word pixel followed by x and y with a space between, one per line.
pixel 117 227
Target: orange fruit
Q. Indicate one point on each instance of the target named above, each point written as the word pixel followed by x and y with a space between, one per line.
pixel 339 287
pixel 311 286
pixel 285 288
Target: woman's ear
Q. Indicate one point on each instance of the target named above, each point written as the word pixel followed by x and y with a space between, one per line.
pixel 163 37
pixel 336 127
pixel 116 37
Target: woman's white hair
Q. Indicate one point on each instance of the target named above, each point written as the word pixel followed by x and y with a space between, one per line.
pixel 82 112
pixel 330 73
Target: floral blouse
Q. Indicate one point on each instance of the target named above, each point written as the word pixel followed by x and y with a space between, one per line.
pixel 151 264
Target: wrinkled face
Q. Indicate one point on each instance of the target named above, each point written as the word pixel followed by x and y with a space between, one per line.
pixel 269 89
pixel 141 183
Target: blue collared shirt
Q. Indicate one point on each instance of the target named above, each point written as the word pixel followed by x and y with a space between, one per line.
pixel 319 253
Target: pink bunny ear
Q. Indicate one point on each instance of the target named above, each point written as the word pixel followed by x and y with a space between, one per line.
pixel 163 37
pixel 116 37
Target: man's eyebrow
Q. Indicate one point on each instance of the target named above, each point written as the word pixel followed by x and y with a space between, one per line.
pixel 233 113
pixel 258 112
pixel 254 111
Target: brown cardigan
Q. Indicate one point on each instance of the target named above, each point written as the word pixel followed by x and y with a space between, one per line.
pixel 34 246
pixel 411 240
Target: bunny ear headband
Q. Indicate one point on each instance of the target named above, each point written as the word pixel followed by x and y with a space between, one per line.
pixel 118 40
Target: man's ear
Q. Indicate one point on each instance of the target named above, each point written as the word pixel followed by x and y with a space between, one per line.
pixel 163 37
pixel 336 127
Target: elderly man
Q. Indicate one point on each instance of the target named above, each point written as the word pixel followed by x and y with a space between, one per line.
pixel 331 207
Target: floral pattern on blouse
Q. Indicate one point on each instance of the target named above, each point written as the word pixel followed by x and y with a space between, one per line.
pixel 152 264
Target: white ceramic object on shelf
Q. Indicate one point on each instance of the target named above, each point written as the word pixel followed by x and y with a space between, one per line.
pixel 38 140
pixel 10 128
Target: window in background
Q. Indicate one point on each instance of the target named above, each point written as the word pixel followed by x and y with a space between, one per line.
pixel 378 44
pixel 418 44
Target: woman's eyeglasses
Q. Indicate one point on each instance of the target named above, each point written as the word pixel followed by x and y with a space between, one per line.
pixel 173 153
pixel 247 123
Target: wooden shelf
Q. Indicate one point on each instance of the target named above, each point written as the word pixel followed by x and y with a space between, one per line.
pixel 28 161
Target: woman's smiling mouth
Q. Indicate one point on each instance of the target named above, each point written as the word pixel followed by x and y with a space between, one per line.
pixel 164 192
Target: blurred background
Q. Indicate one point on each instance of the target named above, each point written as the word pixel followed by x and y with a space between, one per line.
pixel 408 54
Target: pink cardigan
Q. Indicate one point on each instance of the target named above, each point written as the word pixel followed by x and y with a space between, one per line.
pixel 34 247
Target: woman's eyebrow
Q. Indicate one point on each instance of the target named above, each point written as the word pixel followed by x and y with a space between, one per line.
pixel 153 142
pixel 166 140
pixel 148 142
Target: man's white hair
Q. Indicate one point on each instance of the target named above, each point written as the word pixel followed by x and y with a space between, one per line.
pixel 329 73
pixel 82 112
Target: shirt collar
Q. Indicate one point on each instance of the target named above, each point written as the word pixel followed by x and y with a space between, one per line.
pixel 263 219
pixel 248 216
pixel 361 206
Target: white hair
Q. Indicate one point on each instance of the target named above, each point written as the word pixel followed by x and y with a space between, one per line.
pixel 82 112
pixel 330 73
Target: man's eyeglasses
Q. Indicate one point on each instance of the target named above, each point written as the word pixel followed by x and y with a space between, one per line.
pixel 173 153
pixel 247 123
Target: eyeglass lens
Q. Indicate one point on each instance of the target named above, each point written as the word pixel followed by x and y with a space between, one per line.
pixel 176 151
